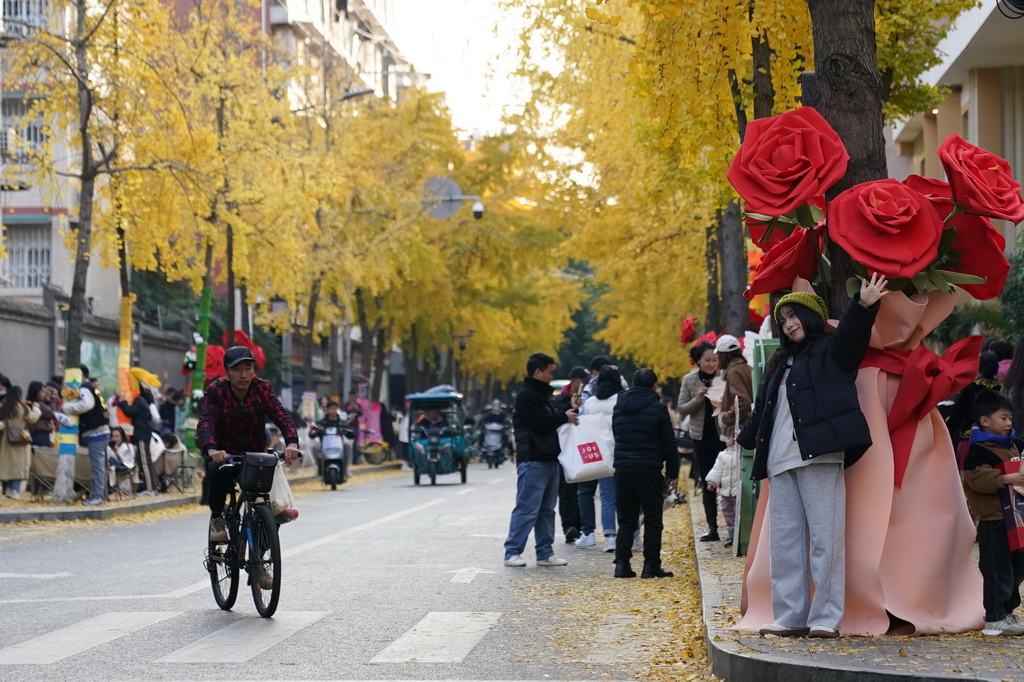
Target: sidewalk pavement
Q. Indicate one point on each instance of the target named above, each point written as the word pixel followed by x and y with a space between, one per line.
pixel 25 510
pixel 735 655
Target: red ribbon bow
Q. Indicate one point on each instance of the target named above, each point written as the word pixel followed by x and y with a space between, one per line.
pixel 927 380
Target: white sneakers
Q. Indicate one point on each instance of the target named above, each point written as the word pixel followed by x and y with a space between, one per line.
pixel 519 562
pixel 609 542
pixel 587 540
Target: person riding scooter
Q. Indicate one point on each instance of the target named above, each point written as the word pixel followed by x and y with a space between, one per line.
pixel 336 438
pixel 493 435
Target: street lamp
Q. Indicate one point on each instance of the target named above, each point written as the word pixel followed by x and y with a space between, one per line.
pixel 444 198
pixel 344 98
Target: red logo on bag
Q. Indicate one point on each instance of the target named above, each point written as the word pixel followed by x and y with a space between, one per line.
pixel 589 453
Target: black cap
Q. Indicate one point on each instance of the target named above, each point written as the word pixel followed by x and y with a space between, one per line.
pixel 237 354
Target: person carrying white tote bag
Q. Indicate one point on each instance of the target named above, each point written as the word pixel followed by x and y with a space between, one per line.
pixel 588 449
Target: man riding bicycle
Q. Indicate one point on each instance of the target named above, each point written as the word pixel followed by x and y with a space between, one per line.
pixel 233 419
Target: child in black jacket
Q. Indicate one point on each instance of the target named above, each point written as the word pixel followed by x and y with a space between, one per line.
pixel 992 442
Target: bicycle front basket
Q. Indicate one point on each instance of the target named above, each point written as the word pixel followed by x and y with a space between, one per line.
pixel 257 473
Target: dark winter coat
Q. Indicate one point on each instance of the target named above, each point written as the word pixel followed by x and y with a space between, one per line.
pixel 822 396
pixel 536 421
pixel 644 439
pixel 142 418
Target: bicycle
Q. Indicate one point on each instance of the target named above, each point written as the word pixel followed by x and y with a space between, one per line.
pixel 253 541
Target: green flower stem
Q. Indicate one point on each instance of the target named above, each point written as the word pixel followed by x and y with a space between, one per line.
pixel 957 210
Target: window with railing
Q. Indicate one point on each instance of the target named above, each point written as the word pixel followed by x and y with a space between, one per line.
pixel 27 265
pixel 19 136
pixel 21 16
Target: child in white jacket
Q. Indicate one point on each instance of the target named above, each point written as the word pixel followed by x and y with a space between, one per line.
pixel 725 478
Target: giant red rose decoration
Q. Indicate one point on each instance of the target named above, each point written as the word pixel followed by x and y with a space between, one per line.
pixel 978 247
pixel 981 248
pixel 981 181
pixel 787 161
pixel 923 234
pixel 687 330
pixel 795 256
pixel 886 227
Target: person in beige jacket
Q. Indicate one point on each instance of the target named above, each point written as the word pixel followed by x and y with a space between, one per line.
pixel 15 459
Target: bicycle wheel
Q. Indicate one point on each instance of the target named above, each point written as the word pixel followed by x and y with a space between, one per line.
pixel 265 561
pixel 221 562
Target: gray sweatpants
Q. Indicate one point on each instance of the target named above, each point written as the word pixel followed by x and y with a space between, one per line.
pixel 807 512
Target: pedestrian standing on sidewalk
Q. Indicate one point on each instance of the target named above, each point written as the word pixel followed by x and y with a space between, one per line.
pixel 606 394
pixel 17 417
pixel 45 398
pixel 803 443
pixel 93 433
pixel 142 432
pixel 535 421
pixel 568 503
pixel 644 445
pixel 993 442
pixel 724 479
pixel 693 403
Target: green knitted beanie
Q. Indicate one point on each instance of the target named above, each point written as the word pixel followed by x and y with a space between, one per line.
pixel 812 302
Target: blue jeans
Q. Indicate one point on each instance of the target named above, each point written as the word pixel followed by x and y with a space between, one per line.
pixel 536 496
pixel 98 465
pixel 585 494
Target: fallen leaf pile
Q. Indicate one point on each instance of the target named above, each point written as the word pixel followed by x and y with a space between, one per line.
pixel 655 627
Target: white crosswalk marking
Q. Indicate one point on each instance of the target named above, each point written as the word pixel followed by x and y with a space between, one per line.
pixel 74 639
pixel 243 639
pixel 440 637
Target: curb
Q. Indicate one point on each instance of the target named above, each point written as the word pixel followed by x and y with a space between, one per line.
pixel 79 514
pixel 730 659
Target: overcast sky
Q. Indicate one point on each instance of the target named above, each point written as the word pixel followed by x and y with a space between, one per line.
pixel 455 42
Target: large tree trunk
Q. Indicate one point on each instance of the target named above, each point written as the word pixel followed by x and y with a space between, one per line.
pixel 367 332
pixel 764 89
pixel 380 354
pixel 850 99
pixel 307 350
pixel 410 350
pixel 734 269
pixel 229 331
pixel 714 315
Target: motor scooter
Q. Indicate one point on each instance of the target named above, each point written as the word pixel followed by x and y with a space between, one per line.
pixel 335 454
pixel 493 447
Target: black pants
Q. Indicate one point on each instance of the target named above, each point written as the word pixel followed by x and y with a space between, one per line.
pixel 219 482
pixel 1002 571
pixel 568 505
pixel 706 454
pixel 640 490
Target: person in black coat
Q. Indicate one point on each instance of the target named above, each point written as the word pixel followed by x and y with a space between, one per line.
pixel 535 421
pixel 142 432
pixel 806 428
pixel 644 444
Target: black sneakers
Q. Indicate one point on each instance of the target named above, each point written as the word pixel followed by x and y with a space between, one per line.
pixel 571 534
pixel 712 536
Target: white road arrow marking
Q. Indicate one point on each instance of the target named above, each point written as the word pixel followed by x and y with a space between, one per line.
pixel 35 576
pixel 466 575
